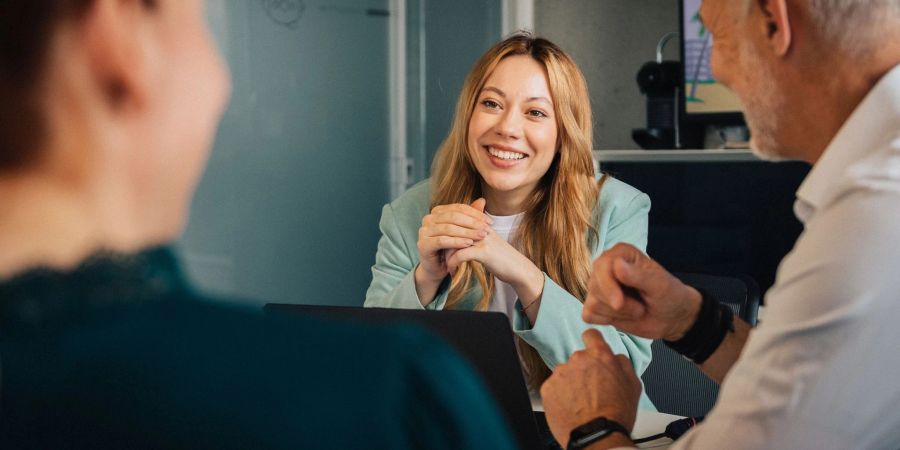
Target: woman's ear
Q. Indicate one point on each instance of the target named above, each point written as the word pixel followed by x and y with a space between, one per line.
pixel 120 46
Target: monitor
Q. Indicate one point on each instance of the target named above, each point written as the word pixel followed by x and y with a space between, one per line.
pixel 703 100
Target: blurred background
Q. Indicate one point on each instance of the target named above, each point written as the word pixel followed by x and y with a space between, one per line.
pixel 339 105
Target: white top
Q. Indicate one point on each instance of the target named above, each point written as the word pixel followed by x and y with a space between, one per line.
pixel 504 298
pixel 823 370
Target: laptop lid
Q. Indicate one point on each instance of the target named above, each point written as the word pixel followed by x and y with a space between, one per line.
pixel 484 338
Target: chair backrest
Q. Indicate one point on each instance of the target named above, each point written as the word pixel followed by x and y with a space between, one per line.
pixel 676 385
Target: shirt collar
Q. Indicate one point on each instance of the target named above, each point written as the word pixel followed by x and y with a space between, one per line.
pixel 506 223
pixel 105 280
pixel 865 129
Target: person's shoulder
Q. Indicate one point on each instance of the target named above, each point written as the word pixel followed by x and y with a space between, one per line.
pixel 222 312
pixel 617 193
pixel 293 363
pixel 413 204
pixel 294 342
pixel 338 340
pixel 417 195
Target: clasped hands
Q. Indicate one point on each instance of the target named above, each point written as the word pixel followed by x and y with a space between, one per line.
pixel 633 293
pixel 453 234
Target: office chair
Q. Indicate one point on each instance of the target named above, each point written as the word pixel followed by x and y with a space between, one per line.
pixel 676 385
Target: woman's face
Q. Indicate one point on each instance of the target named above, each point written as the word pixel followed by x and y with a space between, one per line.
pixel 512 132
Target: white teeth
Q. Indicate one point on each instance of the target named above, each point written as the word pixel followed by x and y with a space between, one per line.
pixel 510 156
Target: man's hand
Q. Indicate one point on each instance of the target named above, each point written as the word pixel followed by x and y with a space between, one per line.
pixel 593 383
pixel 633 293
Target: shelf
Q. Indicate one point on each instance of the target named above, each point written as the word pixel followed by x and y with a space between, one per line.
pixel 675 156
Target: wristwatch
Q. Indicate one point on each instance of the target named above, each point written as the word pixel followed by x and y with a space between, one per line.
pixel 593 431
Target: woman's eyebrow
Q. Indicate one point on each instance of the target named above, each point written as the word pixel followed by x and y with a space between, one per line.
pixel 540 99
pixel 500 92
pixel 494 89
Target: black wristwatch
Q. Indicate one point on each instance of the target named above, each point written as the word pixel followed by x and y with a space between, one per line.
pixel 593 431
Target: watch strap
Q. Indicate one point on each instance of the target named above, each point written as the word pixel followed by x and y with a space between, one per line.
pixel 593 431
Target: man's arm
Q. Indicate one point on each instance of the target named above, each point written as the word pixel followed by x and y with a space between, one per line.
pixel 717 365
pixel 632 292
pixel 817 373
pixel 727 353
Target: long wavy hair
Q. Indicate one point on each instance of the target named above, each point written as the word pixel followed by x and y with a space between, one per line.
pixel 557 229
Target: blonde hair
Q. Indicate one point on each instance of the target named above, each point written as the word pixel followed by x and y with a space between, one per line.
pixel 557 229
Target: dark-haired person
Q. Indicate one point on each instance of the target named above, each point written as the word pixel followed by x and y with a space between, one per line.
pixel 107 114
pixel 820 82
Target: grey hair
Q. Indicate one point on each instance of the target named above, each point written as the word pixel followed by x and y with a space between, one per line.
pixel 856 27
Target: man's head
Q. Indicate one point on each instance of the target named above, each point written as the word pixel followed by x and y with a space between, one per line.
pixel 800 66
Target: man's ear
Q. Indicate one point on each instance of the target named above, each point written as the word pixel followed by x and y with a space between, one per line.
pixel 117 34
pixel 778 30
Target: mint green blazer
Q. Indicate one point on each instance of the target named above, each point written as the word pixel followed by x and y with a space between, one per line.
pixel 621 215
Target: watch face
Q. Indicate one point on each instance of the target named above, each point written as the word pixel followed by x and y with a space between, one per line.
pixel 593 431
pixel 594 425
pixel 588 436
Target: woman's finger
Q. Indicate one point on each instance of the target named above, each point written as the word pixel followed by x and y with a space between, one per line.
pixel 453 230
pixel 461 256
pixel 438 243
pixel 464 215
pixel 461 219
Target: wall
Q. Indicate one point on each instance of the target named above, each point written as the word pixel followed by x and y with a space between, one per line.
pixel 288 209
pixel 456 33
pixel 610 40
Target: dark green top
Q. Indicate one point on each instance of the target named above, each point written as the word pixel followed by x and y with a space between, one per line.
pixel 121 353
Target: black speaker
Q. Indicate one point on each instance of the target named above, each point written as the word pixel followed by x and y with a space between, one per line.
pixel 660 82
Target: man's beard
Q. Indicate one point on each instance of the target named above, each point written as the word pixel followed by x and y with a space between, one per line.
pixel 761 109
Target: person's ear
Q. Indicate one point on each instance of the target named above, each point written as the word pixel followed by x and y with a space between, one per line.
pixel 119 42
pixel 777 24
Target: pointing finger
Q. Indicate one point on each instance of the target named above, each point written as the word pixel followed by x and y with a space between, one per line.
pixel 594 342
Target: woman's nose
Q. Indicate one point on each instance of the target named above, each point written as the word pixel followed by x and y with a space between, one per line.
pixel 509 125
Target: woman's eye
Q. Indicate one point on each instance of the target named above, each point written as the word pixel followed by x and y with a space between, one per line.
pixel 536 113
pixel 490 104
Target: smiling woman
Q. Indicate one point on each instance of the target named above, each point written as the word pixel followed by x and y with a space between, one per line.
pixel 514 213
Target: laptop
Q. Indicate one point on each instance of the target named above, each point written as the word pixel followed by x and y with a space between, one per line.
pixel 484 338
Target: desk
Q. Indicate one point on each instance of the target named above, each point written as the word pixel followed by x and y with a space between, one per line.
pixel 648 423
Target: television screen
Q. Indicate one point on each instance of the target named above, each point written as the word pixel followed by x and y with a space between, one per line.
pixel 702 93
